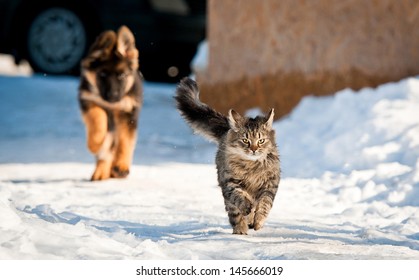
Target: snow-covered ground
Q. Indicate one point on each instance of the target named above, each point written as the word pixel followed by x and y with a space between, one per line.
pixel 349 188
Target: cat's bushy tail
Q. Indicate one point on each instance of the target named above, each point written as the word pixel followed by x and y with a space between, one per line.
pixel 203 119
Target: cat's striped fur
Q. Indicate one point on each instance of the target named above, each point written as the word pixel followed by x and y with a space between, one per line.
pixel 247 158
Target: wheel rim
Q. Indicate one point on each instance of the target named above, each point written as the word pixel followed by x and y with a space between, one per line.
pixel 56 40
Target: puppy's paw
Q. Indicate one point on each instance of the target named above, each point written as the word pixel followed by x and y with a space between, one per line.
pixel 102 172
pixel 119 172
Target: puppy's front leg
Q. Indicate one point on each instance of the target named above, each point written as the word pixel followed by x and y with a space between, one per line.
pixel 126 104
pixel 99 141
pixel 125 136
pixel 104 159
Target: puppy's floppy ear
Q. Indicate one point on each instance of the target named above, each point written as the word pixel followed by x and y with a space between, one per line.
pixel 125 46
pixel 235 120
pixel 101 48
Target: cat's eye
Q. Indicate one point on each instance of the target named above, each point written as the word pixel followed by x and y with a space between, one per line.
pixel 261 141
pixel 245 141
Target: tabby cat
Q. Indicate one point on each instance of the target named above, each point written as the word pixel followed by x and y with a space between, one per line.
pixel 247 159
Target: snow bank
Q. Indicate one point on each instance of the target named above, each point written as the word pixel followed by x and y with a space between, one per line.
pixel 8 67
pixel 371 137
pixel 199 62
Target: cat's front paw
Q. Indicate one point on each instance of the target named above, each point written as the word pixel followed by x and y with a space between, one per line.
pixel 240 228
pixel 246 207
pixel 259 221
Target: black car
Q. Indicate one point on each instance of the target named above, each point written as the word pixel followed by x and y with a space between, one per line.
pixel 54 35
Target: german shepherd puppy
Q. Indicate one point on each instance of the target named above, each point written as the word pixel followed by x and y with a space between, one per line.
pixel 110 99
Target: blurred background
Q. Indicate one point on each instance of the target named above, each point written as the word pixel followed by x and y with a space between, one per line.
pixel 53 36
pixel 255 54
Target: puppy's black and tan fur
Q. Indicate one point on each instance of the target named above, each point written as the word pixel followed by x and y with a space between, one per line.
pixel 110 98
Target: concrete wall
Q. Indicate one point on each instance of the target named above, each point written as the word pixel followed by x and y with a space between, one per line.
pixel 271 53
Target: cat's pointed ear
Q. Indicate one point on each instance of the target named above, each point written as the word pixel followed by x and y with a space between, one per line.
pixel 235 120
pixel 270 119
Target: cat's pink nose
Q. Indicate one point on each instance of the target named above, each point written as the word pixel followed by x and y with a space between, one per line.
pixel 253 148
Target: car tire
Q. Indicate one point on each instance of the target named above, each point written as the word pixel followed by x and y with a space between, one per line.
pixel 56 41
